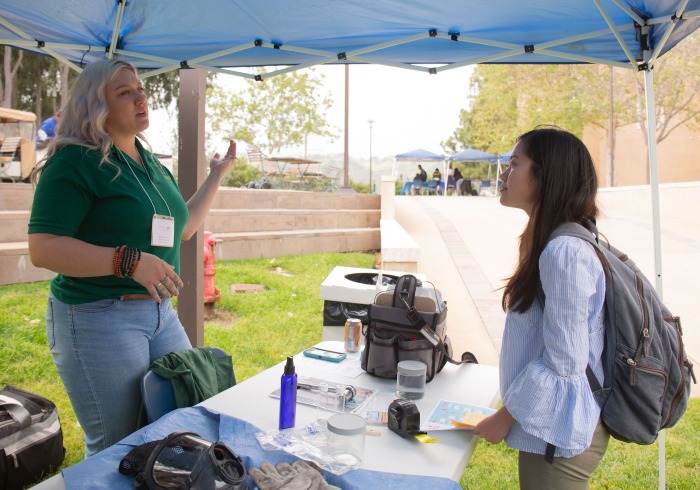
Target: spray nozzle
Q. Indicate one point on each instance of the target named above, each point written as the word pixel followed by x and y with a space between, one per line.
pixel 289 367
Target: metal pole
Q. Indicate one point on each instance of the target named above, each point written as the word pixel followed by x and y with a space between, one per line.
pixel 371 189
pixel 346 164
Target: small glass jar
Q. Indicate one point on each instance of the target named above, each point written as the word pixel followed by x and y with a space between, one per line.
pixel 346 438
pixel 410 379
pixel 340 397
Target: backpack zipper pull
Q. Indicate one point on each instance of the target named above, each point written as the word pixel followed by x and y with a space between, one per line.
pixel 14 458
pixel 690 369
pixel 646 340
pixel 633 369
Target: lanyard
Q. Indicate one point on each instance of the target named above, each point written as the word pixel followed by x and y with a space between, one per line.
pixel 141 185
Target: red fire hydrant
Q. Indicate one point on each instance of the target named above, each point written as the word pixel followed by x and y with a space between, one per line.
pixel 211 292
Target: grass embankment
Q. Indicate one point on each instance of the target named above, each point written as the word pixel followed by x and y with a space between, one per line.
pixel 260 330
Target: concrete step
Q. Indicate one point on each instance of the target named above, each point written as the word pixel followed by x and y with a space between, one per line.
pixel 266 220
pixel 250 223
pixel 13 226
pixel 16 267
pixel 16 197
pixel 276 243
pixel 232 198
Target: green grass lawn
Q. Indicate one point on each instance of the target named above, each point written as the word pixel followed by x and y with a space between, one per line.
pixel 260 330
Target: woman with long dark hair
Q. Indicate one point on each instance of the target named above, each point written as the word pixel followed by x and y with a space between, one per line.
pixel 554 323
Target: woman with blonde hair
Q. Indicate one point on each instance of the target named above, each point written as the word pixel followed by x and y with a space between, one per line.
pixel 554 323
pixel 108 218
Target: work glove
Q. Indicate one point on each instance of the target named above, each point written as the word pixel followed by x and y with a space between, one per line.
pixel 283 476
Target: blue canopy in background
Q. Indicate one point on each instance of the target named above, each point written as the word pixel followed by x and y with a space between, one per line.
pixel 506 155
pixel 419 155
pixel 472 155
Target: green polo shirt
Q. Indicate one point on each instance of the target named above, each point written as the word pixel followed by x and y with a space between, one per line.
pixel 79 198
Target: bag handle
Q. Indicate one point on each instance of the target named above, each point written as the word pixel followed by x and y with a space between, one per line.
pixel 405 291
pixel 16 410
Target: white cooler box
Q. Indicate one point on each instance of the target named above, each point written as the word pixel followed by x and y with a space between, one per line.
pixel 347 291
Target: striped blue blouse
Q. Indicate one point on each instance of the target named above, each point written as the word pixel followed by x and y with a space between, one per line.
pixel 545 352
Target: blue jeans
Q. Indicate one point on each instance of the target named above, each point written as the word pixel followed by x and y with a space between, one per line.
pixel 102 350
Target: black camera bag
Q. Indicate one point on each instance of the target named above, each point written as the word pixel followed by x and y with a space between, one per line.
pixel 31 440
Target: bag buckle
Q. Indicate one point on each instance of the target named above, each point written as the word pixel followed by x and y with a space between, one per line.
pixel 413 316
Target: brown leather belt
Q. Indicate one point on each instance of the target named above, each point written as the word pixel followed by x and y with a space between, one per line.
pixel 136 297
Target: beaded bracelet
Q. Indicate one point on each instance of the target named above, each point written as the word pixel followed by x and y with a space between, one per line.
pixel 125 261
pixel 117 259
pixel 134 264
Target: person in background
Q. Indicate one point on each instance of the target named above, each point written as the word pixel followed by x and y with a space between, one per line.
pixel 458 181
pixel 46 132
pixel 450 179
pixel 437 181
pixel 554 323
pixel 419 180
pixel 108 218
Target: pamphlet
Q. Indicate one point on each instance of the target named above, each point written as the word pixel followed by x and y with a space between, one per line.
pixel 311 396
pixel 451 415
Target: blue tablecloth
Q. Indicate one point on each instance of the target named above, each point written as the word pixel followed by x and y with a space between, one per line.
pixel 101 471
pixel 406 189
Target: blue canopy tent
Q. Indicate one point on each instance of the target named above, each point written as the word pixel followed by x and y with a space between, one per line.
pixel 429 36
pixel 472 155
pixel 418 156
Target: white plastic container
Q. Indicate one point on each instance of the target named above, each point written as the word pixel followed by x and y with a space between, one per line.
pixel 410 379
pixel 346 438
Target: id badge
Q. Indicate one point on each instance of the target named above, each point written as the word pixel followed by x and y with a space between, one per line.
pixel 163 231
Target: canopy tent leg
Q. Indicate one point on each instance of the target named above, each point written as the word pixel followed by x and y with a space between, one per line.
pixel 656 221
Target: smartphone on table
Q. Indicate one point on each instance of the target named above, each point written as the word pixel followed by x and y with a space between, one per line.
pixel 325 355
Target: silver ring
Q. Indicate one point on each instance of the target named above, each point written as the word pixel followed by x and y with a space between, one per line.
pixel 160 284
pixel 164 279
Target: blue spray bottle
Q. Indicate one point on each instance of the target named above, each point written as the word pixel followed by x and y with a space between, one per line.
pixel 288 396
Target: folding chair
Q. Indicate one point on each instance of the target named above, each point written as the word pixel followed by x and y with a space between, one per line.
pixel 157 392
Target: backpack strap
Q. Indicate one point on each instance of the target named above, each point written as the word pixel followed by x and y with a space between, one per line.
pixel 16 411
pixel 588 232
pixel 417 321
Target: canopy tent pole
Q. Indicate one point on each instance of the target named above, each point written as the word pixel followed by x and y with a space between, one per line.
pixel 656 222
pixel 346 159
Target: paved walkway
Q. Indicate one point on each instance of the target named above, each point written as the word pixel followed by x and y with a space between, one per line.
pixel 469 246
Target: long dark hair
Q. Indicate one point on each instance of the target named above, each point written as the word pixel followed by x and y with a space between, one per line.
pixel 564 170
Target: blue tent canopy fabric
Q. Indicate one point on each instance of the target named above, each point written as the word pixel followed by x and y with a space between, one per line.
pixel 223 35
pixel 419 155
pixel 506 155
pixel 472 155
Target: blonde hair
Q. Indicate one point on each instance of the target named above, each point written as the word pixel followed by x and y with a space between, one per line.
pixel 83 116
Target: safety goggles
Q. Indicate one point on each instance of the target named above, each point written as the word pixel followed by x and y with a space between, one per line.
pixel 185 461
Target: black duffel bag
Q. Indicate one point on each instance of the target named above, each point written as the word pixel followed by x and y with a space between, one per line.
pixel 31 440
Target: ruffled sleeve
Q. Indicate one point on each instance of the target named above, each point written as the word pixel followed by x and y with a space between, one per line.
pixel 551 398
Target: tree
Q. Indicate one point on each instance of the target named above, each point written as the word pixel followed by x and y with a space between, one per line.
pixel 508 100
pixel 9 74
pixel 273 114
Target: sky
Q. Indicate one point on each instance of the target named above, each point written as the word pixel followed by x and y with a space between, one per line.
pixel 410 110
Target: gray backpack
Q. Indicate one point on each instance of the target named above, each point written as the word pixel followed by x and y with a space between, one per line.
pixel 647 373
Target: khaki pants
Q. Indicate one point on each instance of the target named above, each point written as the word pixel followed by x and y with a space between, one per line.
pixel 565 473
